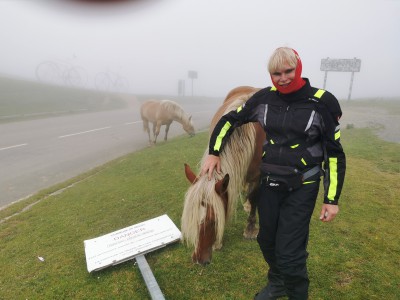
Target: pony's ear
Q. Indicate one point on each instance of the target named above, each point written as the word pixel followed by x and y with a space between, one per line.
pixel 222 185
pixel 190 118
pixel 221 188
pixel 189 174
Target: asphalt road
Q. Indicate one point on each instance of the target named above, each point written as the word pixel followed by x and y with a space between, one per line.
pixel 37 154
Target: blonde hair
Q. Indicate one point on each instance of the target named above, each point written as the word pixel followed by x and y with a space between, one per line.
pixel 281 56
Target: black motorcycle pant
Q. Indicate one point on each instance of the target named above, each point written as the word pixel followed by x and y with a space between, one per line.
pixel 284 219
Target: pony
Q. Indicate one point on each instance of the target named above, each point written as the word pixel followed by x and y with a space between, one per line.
pixel 164 112
pixel 210 204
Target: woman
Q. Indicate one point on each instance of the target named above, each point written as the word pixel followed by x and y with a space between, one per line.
pixel 303 142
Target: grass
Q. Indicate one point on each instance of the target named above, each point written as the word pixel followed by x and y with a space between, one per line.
pixel 24 100
pixel 354 257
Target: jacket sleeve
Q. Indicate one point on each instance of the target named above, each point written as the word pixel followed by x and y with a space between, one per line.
pixel 335 159
pixel 226 125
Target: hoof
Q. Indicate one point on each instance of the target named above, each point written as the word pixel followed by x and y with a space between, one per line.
pixel 250 234
pixel 247 206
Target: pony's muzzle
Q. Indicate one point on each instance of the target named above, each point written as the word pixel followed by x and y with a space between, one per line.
pixel 202 259
pixel 201 262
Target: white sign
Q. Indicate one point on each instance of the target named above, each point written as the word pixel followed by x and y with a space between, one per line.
pixel 124 244
pixel 341 65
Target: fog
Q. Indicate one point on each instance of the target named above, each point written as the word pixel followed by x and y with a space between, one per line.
pixel 151 45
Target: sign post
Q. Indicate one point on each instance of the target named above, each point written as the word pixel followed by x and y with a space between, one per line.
pixel 341 65
pixel 181 87
pixel 192 75
pixel 132 242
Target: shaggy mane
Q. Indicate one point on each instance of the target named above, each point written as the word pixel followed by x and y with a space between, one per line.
pixel 176 111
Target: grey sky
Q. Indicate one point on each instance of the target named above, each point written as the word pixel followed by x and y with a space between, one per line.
pixel 228 42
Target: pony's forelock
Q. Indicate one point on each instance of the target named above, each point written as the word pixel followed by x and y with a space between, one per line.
pixel 201 194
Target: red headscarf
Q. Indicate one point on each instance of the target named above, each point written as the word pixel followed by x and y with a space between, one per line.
pixel 297 82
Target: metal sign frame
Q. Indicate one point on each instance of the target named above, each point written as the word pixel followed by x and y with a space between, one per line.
pixel 341 65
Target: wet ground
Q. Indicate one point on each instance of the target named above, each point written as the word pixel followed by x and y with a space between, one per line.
pixel 385 121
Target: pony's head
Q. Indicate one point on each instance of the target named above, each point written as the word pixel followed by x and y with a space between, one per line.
pixel 188 126
pixel 204 214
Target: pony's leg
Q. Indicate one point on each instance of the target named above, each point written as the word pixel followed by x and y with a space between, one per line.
pixel 153 130
pixel 166 131
pixel 147 129
pixel 156 130
pixel 251 230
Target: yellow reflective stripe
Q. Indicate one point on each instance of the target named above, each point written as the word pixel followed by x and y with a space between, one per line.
pixel 263 154
pixel 332 178
pixel 319 93
pixel 221 135
pixel 273 88
pixel 308 182
pixel 294 146
pixel 271 141
pixel 337 135
pixel 239 109
pixel 304 162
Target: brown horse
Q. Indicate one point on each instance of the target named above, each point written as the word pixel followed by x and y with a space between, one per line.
pixel 164 112
pixel 210 204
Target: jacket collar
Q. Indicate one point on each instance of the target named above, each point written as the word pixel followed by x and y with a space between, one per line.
pixel 303 93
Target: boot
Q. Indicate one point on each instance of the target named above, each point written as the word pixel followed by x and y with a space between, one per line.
pixel 271 292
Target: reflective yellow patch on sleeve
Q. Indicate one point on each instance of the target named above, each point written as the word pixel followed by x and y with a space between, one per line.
pixel 221 135
pixel 332 178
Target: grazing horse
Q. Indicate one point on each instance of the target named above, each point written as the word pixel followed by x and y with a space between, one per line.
pixel 210 204
pixel 164 112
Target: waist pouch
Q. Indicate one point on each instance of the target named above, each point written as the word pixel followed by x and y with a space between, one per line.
pixel 284 178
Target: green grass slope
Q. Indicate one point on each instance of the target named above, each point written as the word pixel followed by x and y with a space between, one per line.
pixel 354 257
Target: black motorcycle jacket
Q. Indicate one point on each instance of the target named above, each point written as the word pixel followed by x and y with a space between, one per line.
pixel 302 131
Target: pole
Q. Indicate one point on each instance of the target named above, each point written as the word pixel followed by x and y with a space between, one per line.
pixel 151 283
pixel 326 76
pixel 351 85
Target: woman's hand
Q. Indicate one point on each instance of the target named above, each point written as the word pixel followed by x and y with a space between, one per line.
pixel 211 162
pixel 328 212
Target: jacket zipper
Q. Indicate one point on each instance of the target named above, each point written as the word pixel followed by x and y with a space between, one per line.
pixel 283 130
